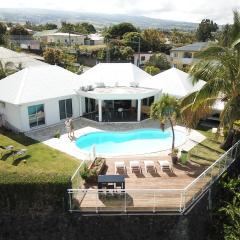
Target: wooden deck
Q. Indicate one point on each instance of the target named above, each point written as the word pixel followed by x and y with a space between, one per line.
pixel 160 191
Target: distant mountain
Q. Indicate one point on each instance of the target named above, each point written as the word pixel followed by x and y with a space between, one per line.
pixel 99 20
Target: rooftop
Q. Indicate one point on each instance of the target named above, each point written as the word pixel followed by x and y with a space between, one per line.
pixel 37 83
pixel 194 47
pixel 7 55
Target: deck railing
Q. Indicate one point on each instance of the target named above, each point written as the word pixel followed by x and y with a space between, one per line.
pixel 148 200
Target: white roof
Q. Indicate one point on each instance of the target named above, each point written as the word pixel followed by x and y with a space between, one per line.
pixel 36 84
pixel 7 55
pixel 65 34
pixel 173 82
pixel 96 36
pixel 113 75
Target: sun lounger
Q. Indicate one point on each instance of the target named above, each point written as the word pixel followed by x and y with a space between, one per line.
pixel 5 149
pixel 19 153
pixel 120 167
pixel 165 165
pixel 150 166
pixel 135 166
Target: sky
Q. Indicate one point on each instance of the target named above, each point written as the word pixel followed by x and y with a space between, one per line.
pixel 181 10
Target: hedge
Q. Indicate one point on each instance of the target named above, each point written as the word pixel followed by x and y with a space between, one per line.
pixel 33 193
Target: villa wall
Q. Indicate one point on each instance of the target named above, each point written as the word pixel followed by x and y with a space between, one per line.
pixel 12 116
pixel 51 109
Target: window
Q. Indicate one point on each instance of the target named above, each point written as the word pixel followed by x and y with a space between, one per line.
pixel 142 58
pixel 65 108
pixel 90 105
pixel 187 55
pixel 175 55
pixel 148 101
pixel 36 115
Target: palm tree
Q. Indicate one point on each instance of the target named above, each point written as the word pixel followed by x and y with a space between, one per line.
pixel 6 69
pixel 219 66
pixel 167 108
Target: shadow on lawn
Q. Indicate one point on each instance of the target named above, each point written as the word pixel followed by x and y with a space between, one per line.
pixel 18 160
pixel 20 137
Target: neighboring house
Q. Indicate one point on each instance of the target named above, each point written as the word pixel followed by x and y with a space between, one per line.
pixel 42 36
pixel 184 56
pixel 30 45
pixel 42 96
pixel 26 60
pixel 144 57
pixel 66 38
pixel 94 39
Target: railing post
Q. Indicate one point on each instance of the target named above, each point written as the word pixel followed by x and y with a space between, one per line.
pixel 154 202
pixel 96 198
pixel 70 201
pixel 125 201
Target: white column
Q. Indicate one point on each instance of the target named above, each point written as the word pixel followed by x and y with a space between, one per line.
pixel 139 110
pixel 100 110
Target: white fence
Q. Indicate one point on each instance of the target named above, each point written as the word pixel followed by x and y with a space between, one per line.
pixel 148 200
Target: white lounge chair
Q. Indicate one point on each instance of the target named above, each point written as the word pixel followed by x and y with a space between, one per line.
pixel 120 167
pixel 165 165
pixel 135 166
pixel 150 166
pixel 19 153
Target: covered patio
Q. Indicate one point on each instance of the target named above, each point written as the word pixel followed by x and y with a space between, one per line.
pixel 117 104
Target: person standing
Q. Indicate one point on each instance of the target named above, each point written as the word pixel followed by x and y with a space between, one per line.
pixel 68 127
pixel 71 129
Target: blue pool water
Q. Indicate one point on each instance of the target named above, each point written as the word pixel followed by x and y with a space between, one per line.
pixel 132 142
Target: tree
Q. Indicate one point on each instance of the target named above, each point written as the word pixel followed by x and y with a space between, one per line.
pixel 52 56
pixel 18 30
pixel 132 39
pixel 118 30
pixel 6 69
pixel 126 53
pixel 159 60
pixel 205 30
pixel 89 28
pixel 3 30
pixel 152 70
pixel 154 39
pixel 167 108
pixel 219 66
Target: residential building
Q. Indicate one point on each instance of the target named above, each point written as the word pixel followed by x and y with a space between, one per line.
pixel 184 56
pixel 41 96
pixel 94 39
pixel 144 57
pixel 23 59
pixel 66 38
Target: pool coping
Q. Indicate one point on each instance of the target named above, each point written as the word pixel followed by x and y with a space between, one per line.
pixel 64 144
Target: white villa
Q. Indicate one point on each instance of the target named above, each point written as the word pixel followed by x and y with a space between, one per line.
pixel 45 95
pixel 65 38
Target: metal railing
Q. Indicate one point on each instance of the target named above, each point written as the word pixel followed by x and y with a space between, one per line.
pixel 148 200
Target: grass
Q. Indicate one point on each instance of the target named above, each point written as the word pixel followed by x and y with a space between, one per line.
pixel 207 151
pixel 40 159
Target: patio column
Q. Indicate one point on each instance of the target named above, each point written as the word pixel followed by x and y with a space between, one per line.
pixel 139 110
pixel 100 110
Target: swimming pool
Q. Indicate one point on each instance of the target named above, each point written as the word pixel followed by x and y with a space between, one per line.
pixel 131 142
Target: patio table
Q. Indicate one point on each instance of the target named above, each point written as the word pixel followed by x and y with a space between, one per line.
pixel 111 179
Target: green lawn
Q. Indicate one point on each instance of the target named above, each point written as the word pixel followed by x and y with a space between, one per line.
pixel 208 151
pixel 40 159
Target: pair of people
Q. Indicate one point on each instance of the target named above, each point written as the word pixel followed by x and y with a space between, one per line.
pixel 70 128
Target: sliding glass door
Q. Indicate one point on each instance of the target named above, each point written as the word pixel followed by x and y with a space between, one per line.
pixel 65 108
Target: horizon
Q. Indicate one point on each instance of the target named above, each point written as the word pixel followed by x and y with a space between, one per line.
pixel 219 11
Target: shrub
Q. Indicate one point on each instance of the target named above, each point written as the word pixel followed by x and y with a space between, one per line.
pixel 84 171
pixel 57 134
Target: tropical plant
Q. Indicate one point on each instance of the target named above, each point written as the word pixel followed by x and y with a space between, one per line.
pixel 167 108
pixel 159 60
pixel 152 70
pixel 219 66
pixel 6 69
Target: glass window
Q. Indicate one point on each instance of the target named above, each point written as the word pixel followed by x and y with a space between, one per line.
pixel 148 101
pixel 65 108
pixel 36 115
pixel 142 58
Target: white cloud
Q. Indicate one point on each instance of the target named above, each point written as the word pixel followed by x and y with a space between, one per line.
pixel 184 10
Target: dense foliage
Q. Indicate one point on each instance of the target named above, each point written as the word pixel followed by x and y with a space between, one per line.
pixel 18 30
pixel 81 28
pixel 205 30
pixel 159 60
